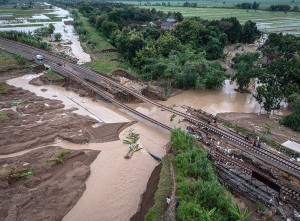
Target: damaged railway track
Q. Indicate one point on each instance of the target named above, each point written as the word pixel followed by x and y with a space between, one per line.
pixel 86 76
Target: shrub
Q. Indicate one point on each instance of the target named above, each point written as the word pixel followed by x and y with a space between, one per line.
pixel 58 158
pixel 20 175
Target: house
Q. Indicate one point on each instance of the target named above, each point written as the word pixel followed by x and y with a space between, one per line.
pixel 168 24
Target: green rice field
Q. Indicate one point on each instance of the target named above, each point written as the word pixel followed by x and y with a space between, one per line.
pixel 267 21
pixel 217 3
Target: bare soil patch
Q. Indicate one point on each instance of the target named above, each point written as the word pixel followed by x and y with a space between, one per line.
pixel 256 122
pixel 50 191
pixel 13 73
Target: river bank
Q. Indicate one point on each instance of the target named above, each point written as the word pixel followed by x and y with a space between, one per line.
pixel 125 180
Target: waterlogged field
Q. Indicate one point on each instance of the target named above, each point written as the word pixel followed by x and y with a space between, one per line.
pixel 18 18
pixel 216 3
pixel 267 21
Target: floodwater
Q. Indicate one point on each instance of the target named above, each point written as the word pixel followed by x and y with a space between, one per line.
pixel 115 184
pixel 67 31
pixel 99 110
pixel 214 101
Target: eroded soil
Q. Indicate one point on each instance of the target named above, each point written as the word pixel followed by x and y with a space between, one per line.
pixel 52 189
pixel 36 121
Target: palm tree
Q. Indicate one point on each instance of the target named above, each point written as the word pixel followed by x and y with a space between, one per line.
pixel 132 138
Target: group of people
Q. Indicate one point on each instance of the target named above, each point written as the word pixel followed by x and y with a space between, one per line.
pixel 256 143
pixel 209 121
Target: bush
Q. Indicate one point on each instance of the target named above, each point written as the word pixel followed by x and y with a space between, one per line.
pixel 57 36
pixel 21 59
pixel 60 154
pixel 201 195
pixel 20 175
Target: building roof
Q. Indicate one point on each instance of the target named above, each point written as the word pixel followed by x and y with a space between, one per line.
pixel 292 145
pixel 171 19
pixel 167 25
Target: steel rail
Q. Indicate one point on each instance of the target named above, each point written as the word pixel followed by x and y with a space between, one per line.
pixel 227 134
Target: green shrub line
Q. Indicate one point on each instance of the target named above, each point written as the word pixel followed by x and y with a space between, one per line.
pixel 26 38
pixel 20 175
pixel 164 189
pixel 200 194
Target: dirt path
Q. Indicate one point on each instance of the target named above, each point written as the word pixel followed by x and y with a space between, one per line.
pixel 170 214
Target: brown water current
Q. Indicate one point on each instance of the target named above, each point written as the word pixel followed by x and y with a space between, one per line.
pixel 219 100
pixel 115 185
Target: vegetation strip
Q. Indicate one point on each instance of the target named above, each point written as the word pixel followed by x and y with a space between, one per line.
pixel 200 194
pixel 164 189
pixel 95 43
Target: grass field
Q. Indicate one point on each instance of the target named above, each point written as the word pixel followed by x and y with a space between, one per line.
pixel 267 21
pixel 217 3
pixel 101 61
pixel 7 61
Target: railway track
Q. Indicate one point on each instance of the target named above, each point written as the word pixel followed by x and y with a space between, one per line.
pixel 288 193
pixel 60 64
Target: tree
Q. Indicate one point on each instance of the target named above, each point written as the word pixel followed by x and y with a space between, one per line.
pixel 250 32
pixel 293 120
pixel 167 43
pixel 57 36
pixel 214 49
pixel 247 69
pixel 271 92
pixel 246 5
pixel 128 42
pixel 186 4
pixel 51 29
pixel 232 28
pixel 178 16
pixel 152 33
pixel 189 31
pixel 296 8
pixel 108 27
pixel 255 5
pixel 280 8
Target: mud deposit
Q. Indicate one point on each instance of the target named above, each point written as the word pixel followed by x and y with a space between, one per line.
pixel 36 121
pixel 50 191
pixel 147 199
